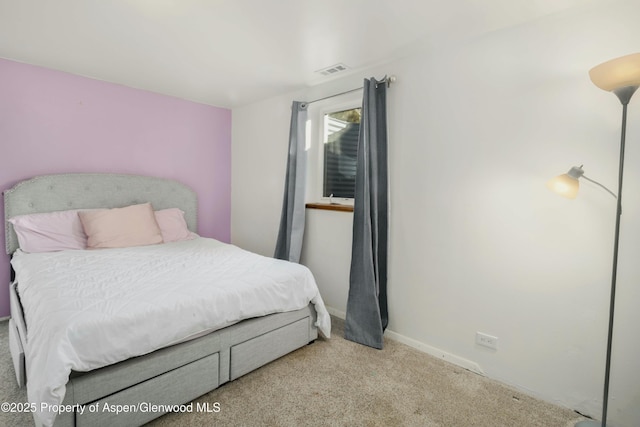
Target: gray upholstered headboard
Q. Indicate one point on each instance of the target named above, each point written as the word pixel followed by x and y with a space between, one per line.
pixel 49 193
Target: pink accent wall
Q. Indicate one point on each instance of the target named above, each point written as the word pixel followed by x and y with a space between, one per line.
pixel 54 122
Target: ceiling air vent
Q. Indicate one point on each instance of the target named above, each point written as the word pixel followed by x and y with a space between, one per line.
pixel 334 69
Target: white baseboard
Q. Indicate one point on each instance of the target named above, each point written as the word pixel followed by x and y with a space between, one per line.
pixel 339 314
pixel 5 318
pixel 425 348
pixel 436 352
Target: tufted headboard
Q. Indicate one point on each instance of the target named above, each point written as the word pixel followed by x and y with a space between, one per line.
pixel 49 193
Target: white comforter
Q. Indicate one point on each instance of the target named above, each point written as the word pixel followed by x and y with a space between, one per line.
pixel 88 309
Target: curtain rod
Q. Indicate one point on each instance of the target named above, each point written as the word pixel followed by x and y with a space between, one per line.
pixel 387 80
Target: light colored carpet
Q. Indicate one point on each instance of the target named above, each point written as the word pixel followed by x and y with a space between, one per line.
pixel 338 383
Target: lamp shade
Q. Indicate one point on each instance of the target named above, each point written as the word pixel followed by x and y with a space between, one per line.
pixel 567 184
pixel 564 185
pixel 617 73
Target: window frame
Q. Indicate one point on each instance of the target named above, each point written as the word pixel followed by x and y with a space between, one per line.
pixel 318 113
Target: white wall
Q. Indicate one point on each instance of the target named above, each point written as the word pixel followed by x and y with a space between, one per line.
pixel 477 243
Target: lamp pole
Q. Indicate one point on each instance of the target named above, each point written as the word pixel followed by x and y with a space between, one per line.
pixel 624 94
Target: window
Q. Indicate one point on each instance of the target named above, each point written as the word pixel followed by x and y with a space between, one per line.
pixel 340 149
pixel 332 129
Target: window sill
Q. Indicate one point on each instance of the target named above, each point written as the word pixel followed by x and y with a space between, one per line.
pixel 330 207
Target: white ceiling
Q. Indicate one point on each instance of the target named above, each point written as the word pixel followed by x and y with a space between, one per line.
pixel 233 52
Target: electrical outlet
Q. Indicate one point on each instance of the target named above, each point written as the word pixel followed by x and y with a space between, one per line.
pixel 487 340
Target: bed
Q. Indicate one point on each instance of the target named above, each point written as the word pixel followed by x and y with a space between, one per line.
pixel 111 360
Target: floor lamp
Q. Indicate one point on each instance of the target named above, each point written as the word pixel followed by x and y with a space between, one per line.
pixel 622 77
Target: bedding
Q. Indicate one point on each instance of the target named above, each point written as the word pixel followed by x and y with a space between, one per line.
pixel 173 226
pixel 51 231
pixel 133 225
pixel 62 230
pixel 89 309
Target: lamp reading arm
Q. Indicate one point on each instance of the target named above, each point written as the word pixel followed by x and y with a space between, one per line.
pixel 602 186
pixel 567 184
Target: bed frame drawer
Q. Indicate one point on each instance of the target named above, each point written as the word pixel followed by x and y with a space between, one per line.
pixel 175 387
pixel 256 352
pixel 17 353
pixel 110 379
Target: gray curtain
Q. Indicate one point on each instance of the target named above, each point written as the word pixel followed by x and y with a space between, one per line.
pixel 289 243
pixel 367 315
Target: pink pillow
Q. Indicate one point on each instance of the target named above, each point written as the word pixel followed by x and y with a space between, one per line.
pixel 49 232
pixel 173 225
pixel 133 225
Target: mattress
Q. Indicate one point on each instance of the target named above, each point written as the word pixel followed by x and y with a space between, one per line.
pixel 92 308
